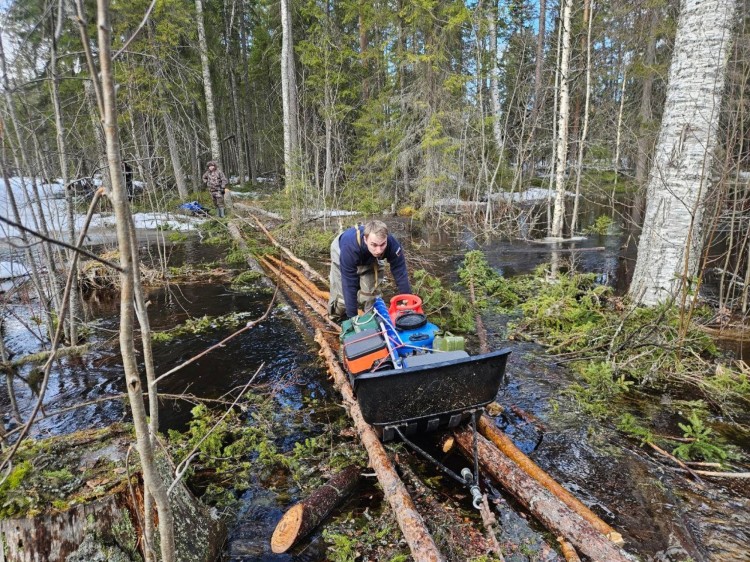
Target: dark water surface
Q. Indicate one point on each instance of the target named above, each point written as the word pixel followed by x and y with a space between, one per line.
pixel 663 515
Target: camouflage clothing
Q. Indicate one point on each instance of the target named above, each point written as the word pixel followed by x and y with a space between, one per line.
pixel 216 182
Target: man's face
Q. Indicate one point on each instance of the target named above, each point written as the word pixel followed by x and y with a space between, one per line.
pixel 212 167
pixel 376 245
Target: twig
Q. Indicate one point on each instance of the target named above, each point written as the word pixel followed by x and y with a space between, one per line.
pixel 137 31
pixel 222 342
pixel 76 249
pixel 686 468
pixel 181 468
pixel 717 474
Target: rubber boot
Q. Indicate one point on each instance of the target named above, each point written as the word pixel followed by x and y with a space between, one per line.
pixel 221 212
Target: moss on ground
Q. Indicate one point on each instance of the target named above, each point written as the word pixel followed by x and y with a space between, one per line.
pixel 56 473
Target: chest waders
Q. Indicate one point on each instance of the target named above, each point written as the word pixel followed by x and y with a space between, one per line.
pixel 370 278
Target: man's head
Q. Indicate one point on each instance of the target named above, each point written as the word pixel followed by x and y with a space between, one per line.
pixel 212 165
pixel 376 237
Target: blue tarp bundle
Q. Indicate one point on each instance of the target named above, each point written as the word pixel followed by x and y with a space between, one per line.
pixel 195 208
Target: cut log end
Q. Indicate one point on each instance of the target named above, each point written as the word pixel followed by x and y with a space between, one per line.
pixel 287 530
pixel 616 538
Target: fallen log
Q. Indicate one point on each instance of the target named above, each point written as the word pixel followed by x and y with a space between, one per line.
pixel 301 279
pixel 302 263
pixel 72 351
pixel 488 428
pixel 301 292
pixel 306 515
pixel 568 552
pixel 550 511
pixel 460 540
pixel 412 525
pixel 257 210
pixel 236 235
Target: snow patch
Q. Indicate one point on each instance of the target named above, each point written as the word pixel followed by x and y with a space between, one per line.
pixel 11 270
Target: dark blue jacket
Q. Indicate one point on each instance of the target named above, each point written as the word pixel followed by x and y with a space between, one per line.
pixel 354 254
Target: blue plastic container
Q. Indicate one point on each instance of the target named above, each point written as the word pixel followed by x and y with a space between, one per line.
pixel 418 340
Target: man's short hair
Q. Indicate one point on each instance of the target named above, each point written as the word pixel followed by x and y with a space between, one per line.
pixel 376 227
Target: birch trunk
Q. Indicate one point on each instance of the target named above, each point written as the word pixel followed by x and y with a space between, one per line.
pixel 213 133
pixel 588 13
pixel 497 129
pixel 288 93
pixel 124 224
pixel 558 216
pixel 644 111
pixel 669 246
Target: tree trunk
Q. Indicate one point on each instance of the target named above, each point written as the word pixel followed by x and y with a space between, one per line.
pixel 558 217
pixel 363 53
pixel 22 166
pixel 238 136
pixel 288 94
pixel 174 156
pixel 497 129
pixel 582 143
pixel 538 73
pixel 556 516
pixel 75 303
pixel 247 106
pixel 412 526
pixel 488 428
pixel 305 516
pixel 89 91
pixel 669 245
pixel 100 525
pixel 153 481
pixel 645 114
pixel 207 87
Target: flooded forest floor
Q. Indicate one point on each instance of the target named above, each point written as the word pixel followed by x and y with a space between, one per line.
pixel 291 433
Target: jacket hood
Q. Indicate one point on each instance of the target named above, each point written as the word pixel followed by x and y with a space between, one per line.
pixel 212 163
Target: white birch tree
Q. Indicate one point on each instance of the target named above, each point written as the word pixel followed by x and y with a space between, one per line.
pixel 670 242
pixel 213 132
pixel 288 92
pixel 558 215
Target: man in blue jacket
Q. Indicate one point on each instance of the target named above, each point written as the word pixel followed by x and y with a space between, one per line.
pixel 357 268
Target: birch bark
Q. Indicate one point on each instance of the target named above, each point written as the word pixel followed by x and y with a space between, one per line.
pixel 289 92
pixel 558 216
pixel 669 246
pixel 497 109
pixel 213 132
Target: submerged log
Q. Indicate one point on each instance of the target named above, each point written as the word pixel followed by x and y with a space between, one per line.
pixel 412 525
pixel 554 514
pixel 305 516
pixel 488 428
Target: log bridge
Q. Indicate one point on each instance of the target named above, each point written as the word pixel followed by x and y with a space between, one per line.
pixel 552 505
